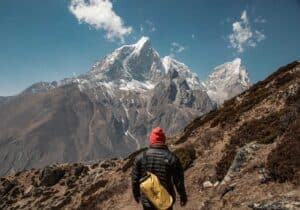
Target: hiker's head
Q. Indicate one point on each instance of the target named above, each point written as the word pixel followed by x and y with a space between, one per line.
pixel 157 137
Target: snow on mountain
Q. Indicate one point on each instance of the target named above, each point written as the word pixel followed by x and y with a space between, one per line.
pixel 227 80
pixel 40 87
pixel 192 79
pixel 110 111
pixel 136 85
pixel 143 42
pixel 138 67
pixel 138 61
pixel 130 67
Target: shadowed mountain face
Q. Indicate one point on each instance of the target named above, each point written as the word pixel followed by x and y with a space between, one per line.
pixel 245 155
pixel 105 113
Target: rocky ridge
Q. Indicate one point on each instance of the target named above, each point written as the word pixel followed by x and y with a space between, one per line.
pixel 245 155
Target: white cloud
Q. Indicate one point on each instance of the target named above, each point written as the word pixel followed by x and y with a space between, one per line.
pixel 242 35
pixel 259 36
pixel 260 20
pixel 148 27
pixel 176 48
pixel 99 14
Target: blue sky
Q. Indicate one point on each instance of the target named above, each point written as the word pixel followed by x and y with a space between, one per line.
pixel 46 40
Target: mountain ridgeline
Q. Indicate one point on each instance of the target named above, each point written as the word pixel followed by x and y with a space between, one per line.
pixel 244 155
pixel 109 111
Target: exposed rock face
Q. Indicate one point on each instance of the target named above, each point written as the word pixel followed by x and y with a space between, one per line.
pixel 40 87
pixel 183 71
pixel 105 113
pixel 109 111
pixel 50 176
pixel 138 62
pixel 227 80
pixel 243 155
pixel 241 139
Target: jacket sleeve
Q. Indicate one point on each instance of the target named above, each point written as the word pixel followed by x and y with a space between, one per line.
pixel 135 177
pixel 178 178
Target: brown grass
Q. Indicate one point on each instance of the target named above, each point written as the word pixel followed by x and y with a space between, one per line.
pixel 285 79
pixel 263 131
pixel 229 114
pixel 196 123
pixel 209 138
pixel 231 110
pixel 284 162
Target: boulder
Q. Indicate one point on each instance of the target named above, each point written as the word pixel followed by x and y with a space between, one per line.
pixel 80 169
pixel 207 184
pixel 7 185
pixel 28 191
pixel 51 175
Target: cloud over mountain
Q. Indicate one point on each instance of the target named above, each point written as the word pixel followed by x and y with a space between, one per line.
pixel 176 48
pixel 243 35
pixel 100 15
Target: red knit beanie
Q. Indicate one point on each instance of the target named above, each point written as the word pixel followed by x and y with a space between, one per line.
pixel 157 136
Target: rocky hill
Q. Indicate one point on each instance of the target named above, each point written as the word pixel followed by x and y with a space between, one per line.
pixel 245 155
pixel 107 112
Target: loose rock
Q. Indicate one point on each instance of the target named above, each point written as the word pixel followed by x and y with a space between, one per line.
pixel 51 175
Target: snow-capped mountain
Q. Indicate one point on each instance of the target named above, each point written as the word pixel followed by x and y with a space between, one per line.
pixel 191 77
pixel 128 67
pixel 130 62
pixel 106 112
pixel 227 80
pixel 40 87
pixel 138 67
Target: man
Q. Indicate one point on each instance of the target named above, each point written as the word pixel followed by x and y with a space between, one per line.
pixel 164 164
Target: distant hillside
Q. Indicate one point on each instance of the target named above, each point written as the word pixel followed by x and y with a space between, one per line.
pixel 110 110
pixel 244 155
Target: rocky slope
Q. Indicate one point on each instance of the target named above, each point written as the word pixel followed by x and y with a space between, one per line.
pixel 105 113
pixel 245 155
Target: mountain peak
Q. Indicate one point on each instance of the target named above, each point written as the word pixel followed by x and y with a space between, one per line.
pixel 227 80
pixel 237 61
pixel 138 61
pixel 231 67
pixel 170 64
pixel 143 44
pixel 144 40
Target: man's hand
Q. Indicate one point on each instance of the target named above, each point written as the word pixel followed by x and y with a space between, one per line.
pixel 183 200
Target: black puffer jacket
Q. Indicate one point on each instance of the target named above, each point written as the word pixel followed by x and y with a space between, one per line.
pixel 165 165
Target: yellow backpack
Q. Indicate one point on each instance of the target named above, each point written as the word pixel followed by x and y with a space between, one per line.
pixel 155 191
